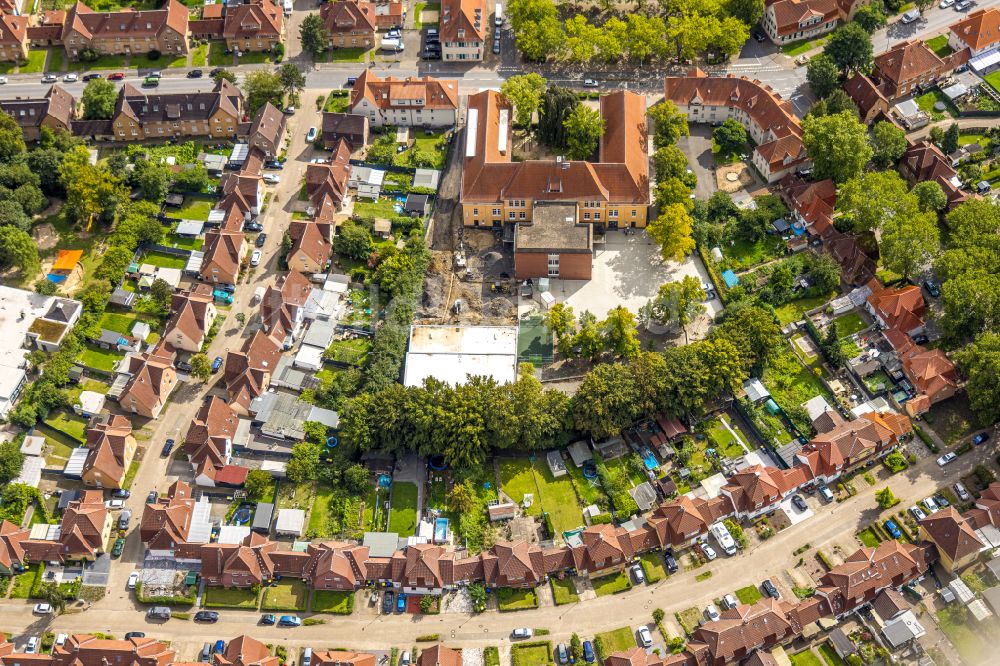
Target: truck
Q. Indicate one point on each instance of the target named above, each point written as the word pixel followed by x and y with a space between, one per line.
pixel 724 538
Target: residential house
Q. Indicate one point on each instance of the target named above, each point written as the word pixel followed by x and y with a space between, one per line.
pixel 245 185
pixel 868 571
pixel 84 530
pixel 11 547
pixel 347 126
pixel 464 29
pixel 311 246
pixel 933 375
pixel 566 195
pixel 214 114
pixel 957 543
pixel 245 651
pixel 224 251
pixel 856 267
pixel 209 440
pixel 756 490
pixel 166 523
pixel 112 448
pixel 745 629
pixel 812 203
pixel 341 658
pixel 247 372
pixel 254 26
pixel 770 120
pixel 986 511
pixel 787 21
pixel 334 565
pixel 13 38
pixel 240 565
pixel 350 23
pixel 867 97
pixel 925 161
pixel 679 522
pixel 55 111
pixel 137 651
pixel 151 379
pixel 437 655
pixel 979 32
pixel 282 309
pixel 191 316
pixel 126 31
pixel 901 308
pixel 409 102
pixel 326 183
pixel 910 65
pixel 267 131
pixel 869 437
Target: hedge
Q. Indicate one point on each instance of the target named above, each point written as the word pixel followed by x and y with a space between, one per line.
pixel 928 442
pixel 36 586
pixel 824 560
pixel 515 652
pixel 428 638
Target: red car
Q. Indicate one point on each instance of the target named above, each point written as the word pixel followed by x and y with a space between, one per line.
pixel 117 76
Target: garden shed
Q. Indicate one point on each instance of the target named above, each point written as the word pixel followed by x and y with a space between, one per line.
pixel 262 516
pixel 755 390
pixel 556 463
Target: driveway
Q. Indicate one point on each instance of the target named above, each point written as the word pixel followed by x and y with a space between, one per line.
pixel 794 515
pixel 97 572
pixel 698 148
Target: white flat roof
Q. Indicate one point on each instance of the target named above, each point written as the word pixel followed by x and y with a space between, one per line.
pixel 454 369
pixel 233 534
pixel 290 521
pixel 31 471
pixel 463 339
pixel 18 311
pixel 452 353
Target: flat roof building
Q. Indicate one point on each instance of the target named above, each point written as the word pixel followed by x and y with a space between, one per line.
pixel 452 353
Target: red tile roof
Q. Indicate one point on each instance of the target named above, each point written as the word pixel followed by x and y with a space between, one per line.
pixel 980 29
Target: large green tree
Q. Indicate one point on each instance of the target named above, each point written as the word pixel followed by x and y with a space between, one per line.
pixel 557 105
pixel 888 143
pixel 18 250
pixel 669 124
pixel 561 323
pixel 537 28
pixel 730 136
pixel 679 303
pixel 930 197
pixel 747 11
pixel 822 74
pixel 313 34
pixel 584 128
pixel 525 92
pixel 672 231
pixel 980 363
pixel 620 334
pixel 850 48
pixel 11 138
pixel 908 244
pixel 99 97
pixel 867 200
pixel 671 162
pixel 838 146
pixel 353 240
pixel 261 86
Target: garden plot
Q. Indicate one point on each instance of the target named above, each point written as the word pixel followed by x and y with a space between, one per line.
pixel 522 476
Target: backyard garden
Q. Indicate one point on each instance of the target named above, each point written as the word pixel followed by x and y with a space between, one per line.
pixel 555 496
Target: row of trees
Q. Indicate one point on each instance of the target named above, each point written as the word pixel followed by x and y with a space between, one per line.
pixel 681 29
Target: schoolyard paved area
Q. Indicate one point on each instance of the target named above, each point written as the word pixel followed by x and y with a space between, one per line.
pixel 628 271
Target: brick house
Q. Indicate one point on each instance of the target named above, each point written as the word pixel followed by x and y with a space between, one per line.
pixel 215 114
pixel 350 23
pixel 111 447
pixel 464 29
pixel 191 316
pixel 409 102
pixel 255 26
pixel 13 38
pixel 55 111
pixel 127 31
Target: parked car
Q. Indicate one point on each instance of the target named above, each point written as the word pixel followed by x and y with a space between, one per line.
pixel 195 74
pixel 114 504
pixel 826 493
pixel 910 16
pixel 267 619
pixel 711 612
pixel 945 4
pixel 588 652
pixel 31 647
pixel 158 613
pixel 71 78
pixel 253 226
pixel 90 77
pixel 50 78
pixel 387 600
pixel 893 529
pixel 562 654
pixel 307 657
pixel 637 574
pixel 118 547
pixel 759 36
pixel 930 505
pixel 962 492
pixel 801 60
pixel 729 601
pixel 255 258
pixel 289 621
pixel 272 178
pixel 708 552
pixel 404 660
pixel 155 74
pixel 400 603
pixel 217 363
pixel 496 46
pixel 220 646
pixel 206 616
pixel 645 638
pixel 670 562
pixel 215 72
pixel 980 438
pixel 769 589
pixel 963 5
pixel 62 638
pixel 917 513
pixel 947 458
pixel 151 82
pixel 799 503
pixel 522 632
pixel 168 446
pixel 135 634
pixel 151 497
pixel 121 493
pixel 206 653
pixel 124 519
pixel 932 287
pixel 311 135
pixel 274 164
pixel 116 76
pixel 591 83
pixel 260 240
pixel 133 580
pixel 288 110
pixel 42 609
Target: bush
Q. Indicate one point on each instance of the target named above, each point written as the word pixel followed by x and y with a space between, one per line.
pixel 824 560
pixel 928 442
pixel 154 54
pixel 428 638
pixel 311 621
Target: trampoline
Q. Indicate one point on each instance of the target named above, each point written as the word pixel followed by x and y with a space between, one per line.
pixel 437 463
pixel 242 515
pixel 589 470
pixel 384 481
pixel 332 442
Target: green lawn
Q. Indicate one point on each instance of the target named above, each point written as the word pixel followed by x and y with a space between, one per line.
pixel 199 55
pixel 403 514
pixel 319 515
pixel 790 382
pixel 795 310
pixel 336 103
pixel 830 655
pixel 805 658
pixel 849 324
pixel 511 599
pixel 23 582
pixel 336 603
pixel 61 447
pixel 868 537
pixel 94 357
pixel 653 567
pixel 748 595
pixel 798 48
pixel 382 208
pixel 36 61
pixel 928 99
pixel 348 55
pixel 723 440
pixel 419 8
pixel 743 254
pixel 56 61
pixel 966 139
pixel 352 351
pixel 612 584
pixel 689 619
pixel 104 62
pixel 589 490
pixel 123 323
pixel 532 654
pixel 564 591
pixel 184 242
pixel 940 46
pixel 952 419
pixel 69 423
pixel 617 640
pixel 286 595
pixel 217 56
pixel 518 477
pixel 425 144
pixel 233 597
pixel 144 62
pixel 194 208
pixel 163 260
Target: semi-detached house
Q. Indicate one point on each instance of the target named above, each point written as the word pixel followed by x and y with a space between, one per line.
pixel 350 23
pixel 409 102
pixel 464 29
pixel 787 21
pixel 54 111
pixel 126 31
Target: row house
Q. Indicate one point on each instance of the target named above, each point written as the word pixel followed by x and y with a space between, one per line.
pixel 757 490
pixel 680 522
pixel 267 131
pixel 910 66
pixel 464 30
pixel 13 38
pixel 79 649
pixel 769 119
pixel 985 514
pixel 191 315
pixel 311 246
pixel 924 161
pixel 226 246
pixel 344 126
pixel 53 111
pixel 979 32
pixel 787 21
pixel 84 529
pixel 868 571
pixel 327 182
pixel 254 26
pixel 956 540
pixel 282 308
pixel 214 114
pixel 127 31
pixel 552 207
pixel 350 23
pixel 247 372
pixel 409 102
pixel 166 522
pixel 871 102
pixel 245 651
pixel 111 449
pixel 149 379
pixel 209 440
pixel 745 629
pixel 12 553
pixel 829 455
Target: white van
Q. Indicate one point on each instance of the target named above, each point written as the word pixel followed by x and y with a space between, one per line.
pixel 498 20
pixel 287 6
pixel 389 44
pixel 724 538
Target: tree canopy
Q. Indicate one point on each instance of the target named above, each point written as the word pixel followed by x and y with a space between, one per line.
pixel 524 92
pixel 837 144
pixel 99 97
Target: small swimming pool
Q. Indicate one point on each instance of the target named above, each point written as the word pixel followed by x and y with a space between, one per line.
pixel 384 481
pixel 440 530
pixel 649 460
pixel 589 470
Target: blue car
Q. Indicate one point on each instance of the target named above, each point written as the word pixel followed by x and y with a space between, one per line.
pixel 220 646
pixel 588 652
pixel 401 603
pixel 168 446
pixel 289 621
pixel 893 529
pixel 217 363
